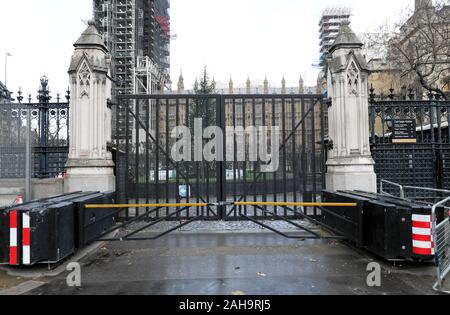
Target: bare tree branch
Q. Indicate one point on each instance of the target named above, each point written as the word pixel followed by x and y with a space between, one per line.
pixel 419 49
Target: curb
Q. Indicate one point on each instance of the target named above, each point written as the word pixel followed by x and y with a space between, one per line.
pixel 22 288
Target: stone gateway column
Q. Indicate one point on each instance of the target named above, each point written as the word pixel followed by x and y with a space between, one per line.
pixel 90 166
pixel 350 165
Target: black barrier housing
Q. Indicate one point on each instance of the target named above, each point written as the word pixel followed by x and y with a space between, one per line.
pixel 52 222
pixel 5 228
pixel 347 222
pixel 92 223
pixel 56 198
pixel 71 197
pixel 390 232
pixel 52 233
pixel 386 223
pixel 390 199
pixel 418 207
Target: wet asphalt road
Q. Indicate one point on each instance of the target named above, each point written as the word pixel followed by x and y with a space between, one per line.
pixel 226 264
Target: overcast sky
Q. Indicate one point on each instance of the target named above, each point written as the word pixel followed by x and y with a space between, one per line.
pixel 232 37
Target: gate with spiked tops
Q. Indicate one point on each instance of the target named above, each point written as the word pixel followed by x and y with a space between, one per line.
pixel 224 188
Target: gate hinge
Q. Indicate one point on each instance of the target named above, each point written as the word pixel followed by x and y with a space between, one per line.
pixel 329 145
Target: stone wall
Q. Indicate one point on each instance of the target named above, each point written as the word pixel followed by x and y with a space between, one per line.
pixel 10 189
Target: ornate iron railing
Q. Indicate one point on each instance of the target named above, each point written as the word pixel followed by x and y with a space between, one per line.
pixel 410 138
pixel 49 134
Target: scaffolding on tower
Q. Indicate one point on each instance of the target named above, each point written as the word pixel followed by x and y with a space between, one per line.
pixel 148 78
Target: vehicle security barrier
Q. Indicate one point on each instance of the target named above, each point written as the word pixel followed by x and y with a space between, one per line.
pixel 420 231
pixel 260 206
pixel 12 231
pixel 53 198
pixel 43 231
pixel 393 228
pixel 91 223
pixel 47 233
pixel 348 222
pixel 441 236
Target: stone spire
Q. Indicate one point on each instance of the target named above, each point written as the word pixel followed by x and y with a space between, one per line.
pixel 283 86
pixel 181 82
pixel 346 38
pixel 248 85
pixel 91 38
pixel 266 86
pixel 231 86
pixel 301 86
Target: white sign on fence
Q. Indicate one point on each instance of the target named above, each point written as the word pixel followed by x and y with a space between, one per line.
pixel 184 191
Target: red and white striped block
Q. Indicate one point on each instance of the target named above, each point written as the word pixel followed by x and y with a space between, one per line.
pixel 13 238
pixel 423 242
pixel 26 239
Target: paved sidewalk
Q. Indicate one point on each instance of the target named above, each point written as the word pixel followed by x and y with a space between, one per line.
pixel 7 282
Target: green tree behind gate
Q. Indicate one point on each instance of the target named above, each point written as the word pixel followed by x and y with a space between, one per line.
pixel 204 107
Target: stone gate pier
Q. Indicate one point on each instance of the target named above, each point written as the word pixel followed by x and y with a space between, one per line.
pixel 90 166
pixel 350 165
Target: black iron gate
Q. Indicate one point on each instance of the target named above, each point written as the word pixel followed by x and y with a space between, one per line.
pixel 147 172
pixel 421 159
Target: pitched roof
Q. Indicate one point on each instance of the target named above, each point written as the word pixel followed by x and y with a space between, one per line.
pixel 91 37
